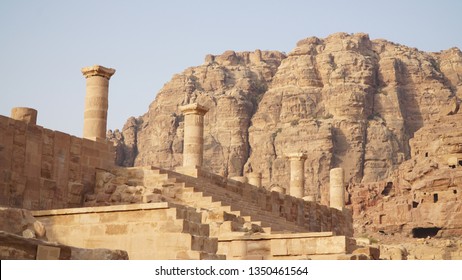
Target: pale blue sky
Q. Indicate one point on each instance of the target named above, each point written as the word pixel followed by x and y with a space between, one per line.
pixel 43 44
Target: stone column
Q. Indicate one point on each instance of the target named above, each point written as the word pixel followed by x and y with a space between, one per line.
pixel 297 174
pixel 96 101
pixel 337 188
pixel 254 178
pixel 193 147
pixel 27 115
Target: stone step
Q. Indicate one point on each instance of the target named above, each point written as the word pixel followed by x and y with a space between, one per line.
pixel 204 244
pixel 204 196
pixel 195 255
pixel 255 213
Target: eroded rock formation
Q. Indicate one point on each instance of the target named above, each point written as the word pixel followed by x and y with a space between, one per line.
pixel 346 101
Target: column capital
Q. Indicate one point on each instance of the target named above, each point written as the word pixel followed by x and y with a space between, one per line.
pixel 296 156
pixel 194 108
pixel 97 70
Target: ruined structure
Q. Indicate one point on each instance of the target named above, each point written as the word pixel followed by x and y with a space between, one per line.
pixel 209 171
pixel 27 115
pixel 337 188
pixel 75 195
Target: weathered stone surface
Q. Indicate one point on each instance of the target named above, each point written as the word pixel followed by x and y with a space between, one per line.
pixel 231 85
pixel 424 193
pixel 21 222
pixel 44 169
pixel 15 247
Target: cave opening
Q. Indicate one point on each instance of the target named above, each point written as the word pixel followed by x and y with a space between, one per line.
pixel 460 162
pixel 421 232
pixel 387 189
pixel 435 198
pixel 415 204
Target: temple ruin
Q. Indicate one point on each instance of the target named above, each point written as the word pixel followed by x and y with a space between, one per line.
pixel 77 200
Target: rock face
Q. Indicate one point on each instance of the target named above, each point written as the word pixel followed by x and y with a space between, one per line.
pixel 231 85
pixel 424 195
pixel 347 101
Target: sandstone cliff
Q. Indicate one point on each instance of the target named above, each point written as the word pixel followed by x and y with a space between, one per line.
pixel 346 100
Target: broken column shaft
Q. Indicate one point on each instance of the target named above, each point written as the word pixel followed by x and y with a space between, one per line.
pixel 254 178
pixel 27 115
pixel 337 188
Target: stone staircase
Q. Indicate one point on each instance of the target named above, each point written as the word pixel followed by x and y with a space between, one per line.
pixel 217 217
pixel 240 206
pixel 218 204
pixel 158 230
pixel 200 245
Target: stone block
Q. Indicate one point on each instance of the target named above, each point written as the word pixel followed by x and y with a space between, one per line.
pixel 238 248
pixel 90 218
pixel 48 184
pixel 116 229
pixel 74 199
pixel 198 243
pixel 76 146
pixel 109 217
pixel 94 161
pixel 19 139
pixel 258 247
pixel 47 167
pixel 295 246
pixel 145 228
pixel 98 230
pixel 279 247
pixel 18 159
pixel 372 253
pixel 75 172
pixel 331 245
pixel 102 242
pixel 48 252
pixel 75 188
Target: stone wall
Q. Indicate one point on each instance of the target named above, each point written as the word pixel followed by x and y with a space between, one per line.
pixel 46 169
pixel 316 246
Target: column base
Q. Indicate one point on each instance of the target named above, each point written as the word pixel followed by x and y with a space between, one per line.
pixel 97 139
pixel 193 171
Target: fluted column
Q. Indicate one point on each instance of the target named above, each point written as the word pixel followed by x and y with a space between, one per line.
pixel 297 174
pixel 96 101
pixel 337 188
pixel 27 115
pixel 193 147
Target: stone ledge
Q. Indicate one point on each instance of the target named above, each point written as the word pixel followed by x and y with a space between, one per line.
pixel 278 236
pixel 15 247
pixel 100 209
